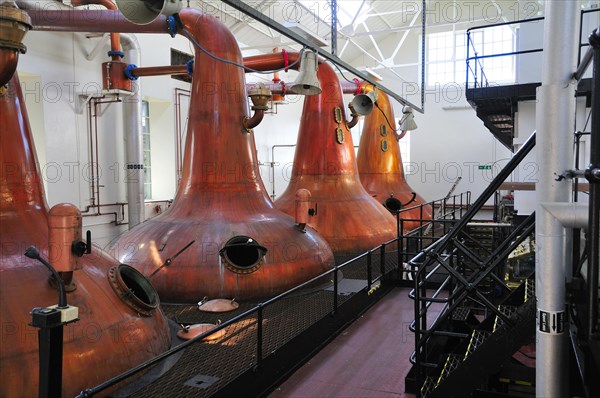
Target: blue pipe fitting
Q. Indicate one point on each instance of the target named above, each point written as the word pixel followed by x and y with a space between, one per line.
pixel 129 72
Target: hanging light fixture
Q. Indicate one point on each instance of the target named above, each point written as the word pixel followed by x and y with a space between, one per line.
pixel 307 82
pixel 408 119
pixel 363 103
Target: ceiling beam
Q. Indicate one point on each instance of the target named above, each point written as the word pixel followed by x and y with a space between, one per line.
pixel 404 36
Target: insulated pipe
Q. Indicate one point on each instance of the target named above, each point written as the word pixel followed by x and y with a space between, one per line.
pixel 570 215
pixel 134 144
pixel 555 117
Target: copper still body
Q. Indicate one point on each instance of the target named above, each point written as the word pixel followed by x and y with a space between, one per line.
pixel 344 213
pixel 243 247
pixel 113 333
pixel 380 164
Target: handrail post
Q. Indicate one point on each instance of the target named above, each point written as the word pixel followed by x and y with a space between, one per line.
pixel 421 228
pixel 417 309
pixel 259 335
pixel 335 290
pixel 382 261
pixel 369 271
pixel 401 248
pixel 467 61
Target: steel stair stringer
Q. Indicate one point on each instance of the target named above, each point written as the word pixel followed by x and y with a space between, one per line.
pixel 489 356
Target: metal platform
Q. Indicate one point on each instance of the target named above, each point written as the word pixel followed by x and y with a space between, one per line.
pixel 207 367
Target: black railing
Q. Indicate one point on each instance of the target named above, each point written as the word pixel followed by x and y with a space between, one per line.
pixel 477 70
pixel 446 212
pixel 442 255
pixel 450 209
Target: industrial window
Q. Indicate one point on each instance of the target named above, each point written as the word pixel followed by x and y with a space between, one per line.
pixel 446 56
pixel 146 142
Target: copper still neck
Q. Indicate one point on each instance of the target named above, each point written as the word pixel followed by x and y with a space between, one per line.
pixel 21 191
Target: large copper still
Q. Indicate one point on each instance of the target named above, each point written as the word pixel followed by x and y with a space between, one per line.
pixel 116 331
pixel 380 164
pixel 351 221
pixel 244 247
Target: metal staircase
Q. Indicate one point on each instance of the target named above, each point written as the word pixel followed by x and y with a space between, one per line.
pixel 481 321
pixel 488 346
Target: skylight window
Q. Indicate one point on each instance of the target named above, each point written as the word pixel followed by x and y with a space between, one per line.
pixel 347 10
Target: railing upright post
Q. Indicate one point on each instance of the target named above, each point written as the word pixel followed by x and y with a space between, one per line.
pixel 475 72
pixel 382 261
pixel 401 248
pixel 417 309
pixel 369 271
pixel 421 227
pixel 335 290
pixel 259 335
pixel 467 61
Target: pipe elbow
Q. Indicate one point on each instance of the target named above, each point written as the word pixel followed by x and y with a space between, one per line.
pixel 354 121
pixel 250 122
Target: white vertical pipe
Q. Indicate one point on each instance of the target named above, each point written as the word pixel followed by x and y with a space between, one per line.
pixel 132 131
pixel 555 117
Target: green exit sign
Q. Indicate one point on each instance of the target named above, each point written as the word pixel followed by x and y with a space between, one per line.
pixel 485 167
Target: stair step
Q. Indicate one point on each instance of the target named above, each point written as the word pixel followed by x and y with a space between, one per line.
pixel 529 289
pixel 507 310
pixel 452 362
pixel 461 314
pixel 477 337
pixel 428 386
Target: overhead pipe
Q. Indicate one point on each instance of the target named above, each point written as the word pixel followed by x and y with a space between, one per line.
pixel 555 118
pixel 72 20
pixel 134 141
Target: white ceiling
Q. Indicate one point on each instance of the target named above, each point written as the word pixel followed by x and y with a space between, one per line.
pixel 376 21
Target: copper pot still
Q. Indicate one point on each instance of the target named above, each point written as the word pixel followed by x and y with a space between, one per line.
pixel 380 164
pixel 343 212
pixel 115 332
pixel 244 247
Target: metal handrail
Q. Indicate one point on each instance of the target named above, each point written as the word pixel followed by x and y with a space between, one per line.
pixel 466 286
pixel 477 57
